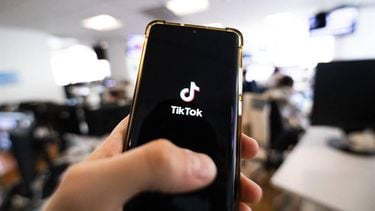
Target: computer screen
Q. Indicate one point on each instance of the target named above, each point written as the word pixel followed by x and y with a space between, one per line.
pixel 339 21
pixel 344 95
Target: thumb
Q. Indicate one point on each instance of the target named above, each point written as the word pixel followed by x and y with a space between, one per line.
pixel 156 166
pixel 164 167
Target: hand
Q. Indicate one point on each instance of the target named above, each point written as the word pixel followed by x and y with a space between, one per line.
pixel 108 178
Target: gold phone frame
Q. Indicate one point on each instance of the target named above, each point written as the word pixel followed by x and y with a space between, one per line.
pixel 140 69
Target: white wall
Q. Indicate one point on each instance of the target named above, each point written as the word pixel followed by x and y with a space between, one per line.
pixel 116 56
pixel 26 52
pixel 360 45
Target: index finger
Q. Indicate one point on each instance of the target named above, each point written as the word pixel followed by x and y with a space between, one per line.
pixel 249 146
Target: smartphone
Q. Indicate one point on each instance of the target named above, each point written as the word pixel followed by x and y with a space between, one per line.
pixel 188 91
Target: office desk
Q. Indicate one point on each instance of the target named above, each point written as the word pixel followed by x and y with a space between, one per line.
pixel 327 176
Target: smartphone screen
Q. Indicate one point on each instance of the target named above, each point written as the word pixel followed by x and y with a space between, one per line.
pixel 188 92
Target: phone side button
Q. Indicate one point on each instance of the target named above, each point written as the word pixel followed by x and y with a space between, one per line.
pixel 240 108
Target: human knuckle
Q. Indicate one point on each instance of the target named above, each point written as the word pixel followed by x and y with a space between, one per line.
pixel 74 174
pixel 160 155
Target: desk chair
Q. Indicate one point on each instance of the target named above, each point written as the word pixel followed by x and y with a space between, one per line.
pixel 27 149
pixel 23 150
pixel 56 119
pixel 282 137
pixel 279 138
pixel 43 119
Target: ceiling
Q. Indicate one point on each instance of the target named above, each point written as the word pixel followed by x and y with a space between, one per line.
pixel 63 17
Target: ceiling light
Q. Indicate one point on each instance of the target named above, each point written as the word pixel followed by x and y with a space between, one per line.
pixel 185 7
pixel 101 23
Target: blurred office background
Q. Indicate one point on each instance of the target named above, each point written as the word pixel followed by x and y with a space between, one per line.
pixel 68 70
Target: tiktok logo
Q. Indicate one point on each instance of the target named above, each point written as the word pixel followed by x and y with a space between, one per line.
pixel 187 94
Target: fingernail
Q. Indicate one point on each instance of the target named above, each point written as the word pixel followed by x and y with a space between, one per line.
pixel 202 166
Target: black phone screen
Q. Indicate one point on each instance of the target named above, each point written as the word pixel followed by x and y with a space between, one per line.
pixel 188 93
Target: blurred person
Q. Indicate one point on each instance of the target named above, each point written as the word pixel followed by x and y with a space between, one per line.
pixel 292 119
pixel 283 94
pixel 274 78
pixel 109 178
pixel 249 86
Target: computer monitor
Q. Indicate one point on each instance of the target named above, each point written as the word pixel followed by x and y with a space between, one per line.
pixel 344 95
pixel 339 21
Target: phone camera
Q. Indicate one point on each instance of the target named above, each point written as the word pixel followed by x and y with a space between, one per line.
pixel 194 31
